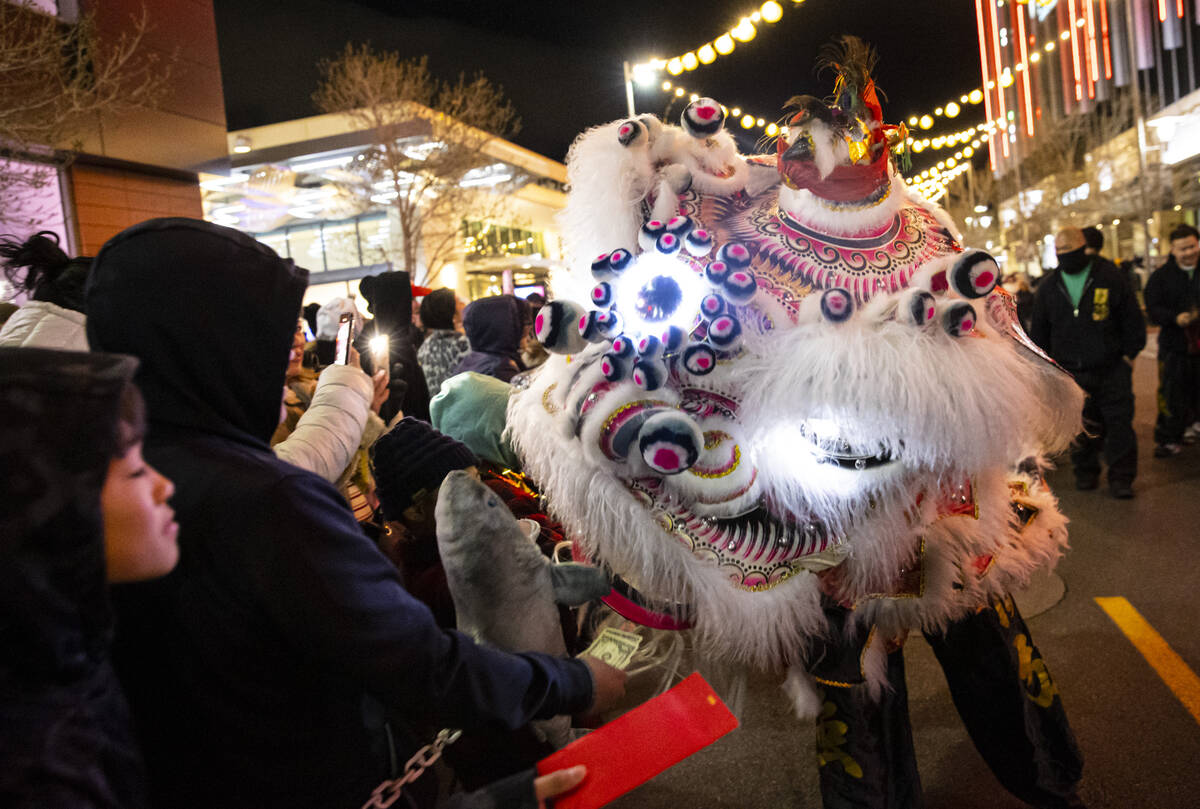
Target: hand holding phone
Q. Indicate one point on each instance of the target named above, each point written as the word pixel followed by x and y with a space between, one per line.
pixel 345 336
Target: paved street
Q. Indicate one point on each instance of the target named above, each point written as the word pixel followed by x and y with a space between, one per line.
pixel 1141 746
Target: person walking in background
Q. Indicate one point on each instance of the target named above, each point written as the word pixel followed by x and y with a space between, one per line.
pixel 1086 317
pixel 390 299
pixel 494 327
pixel 1173 303
pixel 444 345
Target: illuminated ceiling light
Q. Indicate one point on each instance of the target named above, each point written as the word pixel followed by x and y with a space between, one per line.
pixel 1049 48
pixel 675 66
pixel 1006 79
pixel 941 164
pixel 747 121
pixel 952 110
pixel 1020 66
pixel 1080 22
pixel 679 91
pixel 755 17
pixel 975 96
pixel 760 122
pixel 912 121
pixel 694 97
pixel 724 44
pixel 926 122
pixel 666 86
pixel 771 11
pixel 736 111
pixel 962 99
pixel 951 162
pixel 967 152
pixel 958 155
pixel 1035 57
pixel 1116 221
pixel 241 145
pixel 1064 36
pixel 918 146
pixel 690 62
pixel 707 55
pixel 772 129
pixel 984 139
pixel 938 111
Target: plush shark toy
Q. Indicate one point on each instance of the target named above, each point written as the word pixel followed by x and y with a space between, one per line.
pixel 505 591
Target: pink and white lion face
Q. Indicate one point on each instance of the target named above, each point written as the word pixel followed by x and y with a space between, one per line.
pixel 761 406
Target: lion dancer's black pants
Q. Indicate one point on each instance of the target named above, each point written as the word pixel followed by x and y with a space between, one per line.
pixel 1003 693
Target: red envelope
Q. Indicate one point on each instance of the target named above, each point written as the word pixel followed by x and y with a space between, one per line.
pixel 637 746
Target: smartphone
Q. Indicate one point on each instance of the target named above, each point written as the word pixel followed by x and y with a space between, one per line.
pixel 345 336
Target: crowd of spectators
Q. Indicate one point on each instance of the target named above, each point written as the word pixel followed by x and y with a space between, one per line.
pixel 218 574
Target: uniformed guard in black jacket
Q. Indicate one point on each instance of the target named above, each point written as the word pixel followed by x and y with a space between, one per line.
pixel 1085 315
pixel 1172 297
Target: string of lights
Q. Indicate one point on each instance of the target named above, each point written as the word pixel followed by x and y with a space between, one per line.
pixel 646 73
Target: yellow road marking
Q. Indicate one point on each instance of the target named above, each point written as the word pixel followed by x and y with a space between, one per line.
pixel 1182 681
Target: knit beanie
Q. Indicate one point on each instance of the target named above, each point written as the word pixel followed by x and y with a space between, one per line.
pixel 410 458
pixel 473 408
pixel 437 309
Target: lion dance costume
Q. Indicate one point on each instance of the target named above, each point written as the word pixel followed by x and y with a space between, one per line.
pixel 800 420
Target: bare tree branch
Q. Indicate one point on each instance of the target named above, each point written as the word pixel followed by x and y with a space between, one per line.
pixel 432 183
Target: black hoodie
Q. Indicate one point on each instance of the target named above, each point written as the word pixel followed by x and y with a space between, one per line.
pixel 248 665
pixel 65 732
pixel 493 327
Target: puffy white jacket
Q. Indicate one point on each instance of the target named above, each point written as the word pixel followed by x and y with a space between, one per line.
pixel 41 324
pixel 329 432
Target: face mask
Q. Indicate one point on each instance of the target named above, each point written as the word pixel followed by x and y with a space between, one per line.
pixel 1073 261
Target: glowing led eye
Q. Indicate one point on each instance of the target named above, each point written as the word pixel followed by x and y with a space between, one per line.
pixel 658 299
pixel 649 373
pixel 680 225
pixel 623 347
pixel 650 346
pixel 668 244
pixel 917 307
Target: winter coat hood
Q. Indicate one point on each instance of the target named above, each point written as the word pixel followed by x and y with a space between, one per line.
pixel 42 324
pixel 494 325
pixel 210 312
pixel 58 432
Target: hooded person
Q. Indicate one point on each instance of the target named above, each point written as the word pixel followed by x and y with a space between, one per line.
pixel 494 327
pixel 444 345
pixel 78 509
pixel 53 318
pixel 389 298
pixel 248 667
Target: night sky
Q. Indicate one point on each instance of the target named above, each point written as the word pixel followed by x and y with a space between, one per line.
pixel 560 63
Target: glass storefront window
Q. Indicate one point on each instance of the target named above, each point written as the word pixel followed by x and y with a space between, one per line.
pixel 341 245
pixel 277 241
pixel 307 249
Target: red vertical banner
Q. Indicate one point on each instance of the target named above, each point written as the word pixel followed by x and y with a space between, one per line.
pixel 1076 67
pixel 1091 55
pixel 1003 128
pixel 1106 43
pixel 987 81
pixel 1023 53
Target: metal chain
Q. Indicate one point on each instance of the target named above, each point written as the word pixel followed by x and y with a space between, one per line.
pixel 389 792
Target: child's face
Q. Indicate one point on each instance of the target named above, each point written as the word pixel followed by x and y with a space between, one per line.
pixel 139 526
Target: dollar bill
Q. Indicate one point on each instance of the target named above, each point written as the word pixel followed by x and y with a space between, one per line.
pixel 615 647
